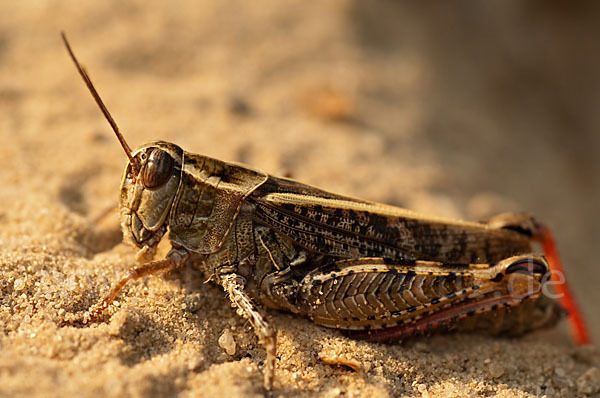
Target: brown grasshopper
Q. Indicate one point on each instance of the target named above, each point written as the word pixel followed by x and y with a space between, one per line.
pixel 381 271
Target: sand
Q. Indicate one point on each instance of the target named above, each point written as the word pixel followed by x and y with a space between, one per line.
pixel 461 112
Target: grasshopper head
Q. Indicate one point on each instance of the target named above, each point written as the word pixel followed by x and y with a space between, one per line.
pixel 148 188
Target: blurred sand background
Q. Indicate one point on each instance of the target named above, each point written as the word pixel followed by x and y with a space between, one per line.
pixel 464 109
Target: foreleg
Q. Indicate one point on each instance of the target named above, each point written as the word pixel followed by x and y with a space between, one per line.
pixel 174 259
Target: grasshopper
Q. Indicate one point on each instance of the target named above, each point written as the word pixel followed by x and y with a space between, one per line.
pixel 378 271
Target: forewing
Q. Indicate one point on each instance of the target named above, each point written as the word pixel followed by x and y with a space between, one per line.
pixel 350 228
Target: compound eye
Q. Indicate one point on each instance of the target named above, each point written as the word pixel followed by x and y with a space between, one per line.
pixel 158 169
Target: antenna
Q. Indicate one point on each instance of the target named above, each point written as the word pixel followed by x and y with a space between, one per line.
pixel 105 112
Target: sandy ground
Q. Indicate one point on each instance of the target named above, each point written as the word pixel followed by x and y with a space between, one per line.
pixel 463 112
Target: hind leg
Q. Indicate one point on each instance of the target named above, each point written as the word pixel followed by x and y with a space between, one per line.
pixel 541 233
